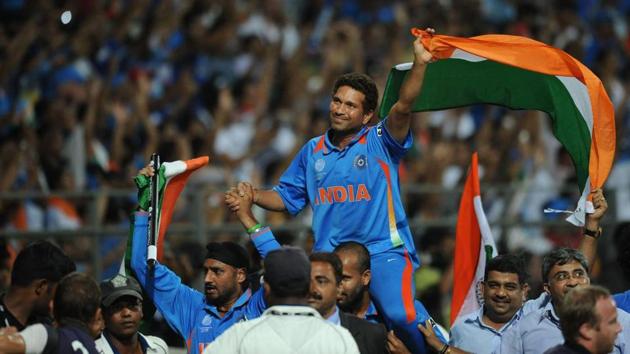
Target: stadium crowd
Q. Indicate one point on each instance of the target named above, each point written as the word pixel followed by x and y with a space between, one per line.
pixel 85 101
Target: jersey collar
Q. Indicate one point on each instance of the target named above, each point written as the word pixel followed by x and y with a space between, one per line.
pixel 359 136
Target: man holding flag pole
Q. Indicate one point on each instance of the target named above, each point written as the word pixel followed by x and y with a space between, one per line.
pixel 197 317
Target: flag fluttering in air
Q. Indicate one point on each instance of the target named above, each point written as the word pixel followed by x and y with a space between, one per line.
pixel 172 178
pixel 521 73
pixel 474 246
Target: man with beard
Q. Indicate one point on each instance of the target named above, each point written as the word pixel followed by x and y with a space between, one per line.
pixel 121 304
pixel 36 272
pixel 588 318
pixel 563 270
pixel 326 275
pixel 199 317
pixel 355 281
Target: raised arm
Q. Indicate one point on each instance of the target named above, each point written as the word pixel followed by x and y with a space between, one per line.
pixel 588 246
pixel 399 118
pixel 262 237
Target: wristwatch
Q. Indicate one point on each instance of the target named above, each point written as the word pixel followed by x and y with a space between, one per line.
pixel 593 233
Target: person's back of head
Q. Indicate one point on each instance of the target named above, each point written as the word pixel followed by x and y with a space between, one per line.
pixel 588 317
pixel 287 276
pixel 78 298
pixel 508 263
pixel 40 260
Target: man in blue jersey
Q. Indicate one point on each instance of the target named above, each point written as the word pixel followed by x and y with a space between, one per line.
pixel 198 317
pixel 349 176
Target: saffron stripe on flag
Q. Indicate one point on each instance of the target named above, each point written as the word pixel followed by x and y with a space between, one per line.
pixel 473 238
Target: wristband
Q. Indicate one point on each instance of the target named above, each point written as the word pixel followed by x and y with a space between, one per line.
pixel 254 228
pixel 591 233
pixel 444 349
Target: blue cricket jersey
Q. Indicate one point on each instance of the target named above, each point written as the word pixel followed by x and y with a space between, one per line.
pixel 185 309
pixel 354 192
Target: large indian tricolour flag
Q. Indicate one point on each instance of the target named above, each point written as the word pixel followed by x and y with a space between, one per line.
pixel 474 246
pixel 521 73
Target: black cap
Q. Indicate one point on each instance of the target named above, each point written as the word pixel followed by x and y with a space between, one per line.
pixel 287 269
pixel 119 286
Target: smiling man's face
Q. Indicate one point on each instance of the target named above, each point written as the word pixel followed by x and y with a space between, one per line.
pixel 503 295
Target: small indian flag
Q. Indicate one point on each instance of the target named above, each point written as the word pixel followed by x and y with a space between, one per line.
pixel 172 178
pixel 474 246
pixel 521 73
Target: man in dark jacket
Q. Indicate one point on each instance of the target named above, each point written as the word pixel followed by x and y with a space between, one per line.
pixel 326 274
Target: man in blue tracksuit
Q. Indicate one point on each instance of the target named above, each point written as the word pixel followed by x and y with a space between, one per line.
pixel 199 317
pixel 349 177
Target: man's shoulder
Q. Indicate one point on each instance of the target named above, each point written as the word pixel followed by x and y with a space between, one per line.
pixel 466 322
pixel 533 318
pixel 156 344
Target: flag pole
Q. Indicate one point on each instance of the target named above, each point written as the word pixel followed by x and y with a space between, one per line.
pixel 153 212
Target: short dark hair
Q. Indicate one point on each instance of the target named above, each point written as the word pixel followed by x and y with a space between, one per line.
pixel 578 308
pixel 508 263
pixel 361 83
pixel 40 260
pixel 77 298
pixel 561 256
pixel 362 253
pixel 330 258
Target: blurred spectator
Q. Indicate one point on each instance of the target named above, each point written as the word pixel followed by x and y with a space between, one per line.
pixel 36 271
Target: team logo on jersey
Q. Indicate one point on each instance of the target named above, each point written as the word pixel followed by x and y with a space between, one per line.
pixel 207 320
pixel 342 194
pixel 319 165
pixel 360 161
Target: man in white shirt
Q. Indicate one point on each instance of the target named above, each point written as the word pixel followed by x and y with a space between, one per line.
pixel 289 325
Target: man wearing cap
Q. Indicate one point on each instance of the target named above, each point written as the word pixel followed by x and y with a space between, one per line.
pixel 199 317
pixel 289 325
pixel 121 302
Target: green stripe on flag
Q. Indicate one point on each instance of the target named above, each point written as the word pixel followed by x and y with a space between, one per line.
pixel 451 83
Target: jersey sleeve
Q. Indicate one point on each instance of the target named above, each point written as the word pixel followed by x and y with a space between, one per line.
pixel 176 301
pixel 39 339
pixel 265 241
pixel 256 304
pixel 292 184
pixel 396 149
